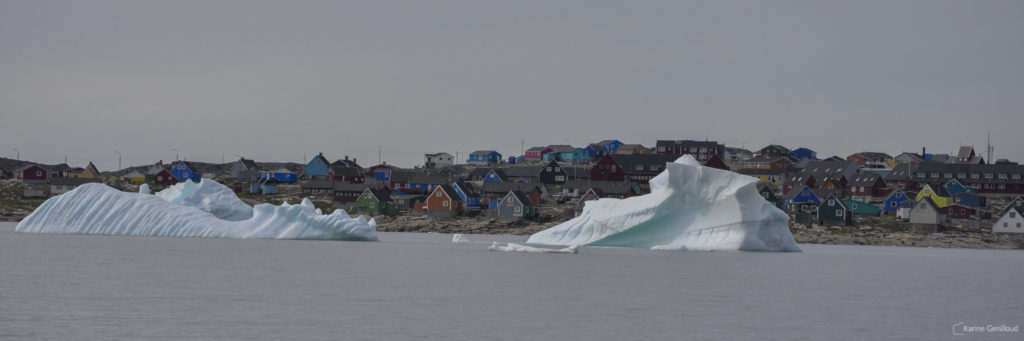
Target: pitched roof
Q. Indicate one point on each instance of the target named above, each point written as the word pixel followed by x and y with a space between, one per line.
pixel 381 194
pixel 347 187
pixel 317 185
pixel 630 162
pixel 449 191
pixel 902 172
pixel 523 172
pixel 537 149
pixel 758 172
pixel 965 152
pixel 482 152
pixel 249 164
pixel 468 188
pixel 522 197
pixel 561 148
pixel 345 171
pixel 320 156
pixel 864 179
pixel 428 179
pixel 604 142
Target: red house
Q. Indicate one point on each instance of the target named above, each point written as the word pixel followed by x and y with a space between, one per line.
pixel 537 153
pixel 164 178
pixel 868 187
pixel 33 175
pixel 350 175
pixel 444 202
pixel 607 169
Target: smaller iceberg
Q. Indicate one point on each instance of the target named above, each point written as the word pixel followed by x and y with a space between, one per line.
pixel 460 238
pixel 197 210
pixel 513 247
pixel 209 196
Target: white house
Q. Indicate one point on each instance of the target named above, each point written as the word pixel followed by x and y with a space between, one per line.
pixel 1010 222
pixel 439 160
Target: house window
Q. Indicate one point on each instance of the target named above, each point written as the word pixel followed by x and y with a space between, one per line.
pixel 935 175
pixel 549 169
pixel 613 168
pixel 920 174
pixel 1013 214
pixel 372 204
pixel 839 213
pixel 1006 224
pixel 975 176
pixel 444 203
pixel 559 178
pixel 892 204
pixel 438 194
pixel 988 175
pixel 1002 186
pixel 961 175
pixel 1018 225
pixel 947 175
pixel 1002 176
pixel 558 169
pixel 831 202
pixel 639 167
pixel 899 195
pixel 855 206
pixel 518 209
pixel 39 173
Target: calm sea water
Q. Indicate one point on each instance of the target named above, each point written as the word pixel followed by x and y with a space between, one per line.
pixel 422 286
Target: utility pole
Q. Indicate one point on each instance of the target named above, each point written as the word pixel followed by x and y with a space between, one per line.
pixel 176 158
pixel 19 154
pixel 989 148
pixel 378 154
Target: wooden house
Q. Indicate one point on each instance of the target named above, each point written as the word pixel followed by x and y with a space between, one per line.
pixel 318 189
pixel 346 174
pixel 771 177
pixel 34 174
pixel 64 185
pixel 966 155
pixel 862 208
pixel 769 194
pixel 346 194
pixel 381 172
pixel 552 173
pixel 616 190
pixel 938 196
pixel 264 187
pixel 444 202
pixel 766 162
pixel 5 174
pixel 774 150
pixel 804 153
pixel 494 176
pixel 492 193
pixel 485 157
pixel 1001 179
pixel 630 149
pixel 1010 222
pixel 468 193
pixel 927 217
pixel 281 176
pixel 901 177
pixel 596 151
pixel 536 153
pixel 954 188
pixel 607 169
pixel 424 183
pixel 244 169
pixel 641 168
pixel 610 146
pixel 184 171
pixel 164 178
pixel 894 201
pixel 970 200
pixel 376 201
pixel 89 172
pixel 438 160
pixel 318 167
pixel 567 154
pixel 867 186
pixel 1016 202
pixel 832 211
pixel 957 211
pixel 715 162
pixel 700 150
pixel 134 176
pixel 408 202
pixel 516 205
pixel 874 160
pixel 346 162
pixel 798 198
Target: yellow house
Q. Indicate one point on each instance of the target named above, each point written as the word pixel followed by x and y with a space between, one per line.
pixel 135 176
pixel 90 172
pixel 928 192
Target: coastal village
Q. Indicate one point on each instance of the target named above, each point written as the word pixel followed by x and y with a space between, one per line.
pixel 911 192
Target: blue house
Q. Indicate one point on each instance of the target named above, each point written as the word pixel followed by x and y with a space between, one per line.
pixel 895 200
pixel 495 176
pixel 269 187
pixel 318 166
pixel 610 146
pixel 484 157
pixel 568 155
pixel 969 199
pixel 801 197
pixel 596 151
pixel 282 176
pixel 954 188
pixel 805 153
pixel 183 170
pixel 468 193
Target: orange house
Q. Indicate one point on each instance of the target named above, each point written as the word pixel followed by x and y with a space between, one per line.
pixel 443 202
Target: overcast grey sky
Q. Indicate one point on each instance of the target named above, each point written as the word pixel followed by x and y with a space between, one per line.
pixel 274 80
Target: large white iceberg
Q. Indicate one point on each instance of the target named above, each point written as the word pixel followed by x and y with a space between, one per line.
pixel 100 209
pixel 690 207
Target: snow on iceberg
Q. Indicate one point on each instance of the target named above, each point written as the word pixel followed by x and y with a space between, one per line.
pixel 100 209
pixel 209 196
pixel 513 247
pixel 690 207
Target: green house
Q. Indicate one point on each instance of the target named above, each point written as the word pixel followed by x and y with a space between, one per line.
pixel 862 208
pixel 376 201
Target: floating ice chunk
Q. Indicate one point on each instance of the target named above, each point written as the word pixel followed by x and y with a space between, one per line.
pixel 144 189
pixel 690 207
pixel 460 238
pixel 513 247
pixel 100 209
pixel 209 196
